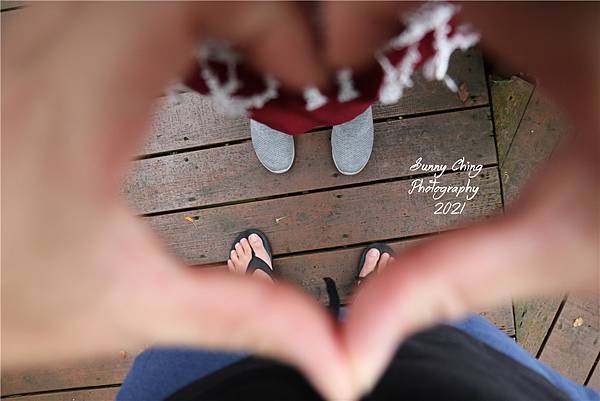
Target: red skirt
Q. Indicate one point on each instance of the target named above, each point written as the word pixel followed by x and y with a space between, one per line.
pixel 428 38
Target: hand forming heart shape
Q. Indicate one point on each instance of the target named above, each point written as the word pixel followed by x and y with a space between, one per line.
pixel 78 91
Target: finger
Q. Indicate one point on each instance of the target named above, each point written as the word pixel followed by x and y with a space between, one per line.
pixel 428 284
pixel 107 66
pixel 436 282
pixel 199 309
pixel 276 37
pixel 355 30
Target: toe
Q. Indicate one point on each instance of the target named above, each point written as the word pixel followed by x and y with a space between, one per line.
pixel 234 257
pixel 259 249
pixel 255 241
pixel 370 262
pixel 246 246
pixel 230 266
pixel 383 261
pixel 239 250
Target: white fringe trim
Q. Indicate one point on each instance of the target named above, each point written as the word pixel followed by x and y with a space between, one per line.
pixel 223 94
pixel 346 92
pixel 314 98
pixel 396 79
pixel 429 17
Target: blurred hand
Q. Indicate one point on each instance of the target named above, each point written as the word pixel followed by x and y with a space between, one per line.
pixel 80 273
pixel 78 85
pixel 548 243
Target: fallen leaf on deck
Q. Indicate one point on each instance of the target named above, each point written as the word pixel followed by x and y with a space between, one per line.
pixel 578 322
pixel 188 218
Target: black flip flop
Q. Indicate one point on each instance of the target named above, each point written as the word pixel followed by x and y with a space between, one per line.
pixel 382 248
pixel 256 262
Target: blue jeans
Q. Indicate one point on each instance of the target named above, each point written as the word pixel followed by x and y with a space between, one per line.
pixel 159 372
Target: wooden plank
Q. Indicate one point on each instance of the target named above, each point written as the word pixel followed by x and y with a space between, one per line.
pixel 6 5
pixel 594 381
pixel 502 317
pixel 509 100
pixel 97 394
pixel 539 131
pixel 325 219
pixel 233 173
pixel 533 320
pixel 196 122
pixel 99 371
pixel 308 270
pixel 574 342
pixel 538 134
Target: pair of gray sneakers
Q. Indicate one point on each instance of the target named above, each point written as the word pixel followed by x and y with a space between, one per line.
pixel 351 145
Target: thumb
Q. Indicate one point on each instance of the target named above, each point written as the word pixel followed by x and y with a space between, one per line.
pixel 447 277
pixel 229 312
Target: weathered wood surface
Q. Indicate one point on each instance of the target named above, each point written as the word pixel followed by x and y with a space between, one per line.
pixel 99 371
pixel 6 5
pixel 533 319
pixel 233 173
pixel 528 136
pixel 195 121
pixel 540 130
pixel 574 343
pixel 325 219
pixel 96 394
pixel 510 98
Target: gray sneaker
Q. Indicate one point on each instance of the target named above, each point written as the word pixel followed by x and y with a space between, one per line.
pixel 352 143
pixel 274 149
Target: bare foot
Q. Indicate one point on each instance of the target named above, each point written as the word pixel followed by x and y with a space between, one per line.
pixel 373 260
pixel 241 255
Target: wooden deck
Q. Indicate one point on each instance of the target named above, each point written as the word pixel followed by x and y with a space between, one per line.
pixel 199 183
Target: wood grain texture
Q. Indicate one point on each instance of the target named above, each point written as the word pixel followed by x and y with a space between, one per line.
pixel 100 371
pixel 6 5
pixel 509 100
pixel 574 342
pixel 97 394
pixel 195 121
pixel 533 318
pixel 540 130
pixel 325 219
pixel 233 173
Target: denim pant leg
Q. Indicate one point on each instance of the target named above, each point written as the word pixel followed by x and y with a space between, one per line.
pixel 159 372
pixel 487 333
